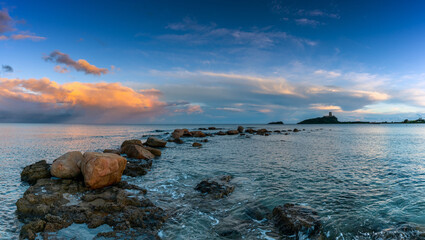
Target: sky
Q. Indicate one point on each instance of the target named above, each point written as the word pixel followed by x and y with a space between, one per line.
pixel 148 62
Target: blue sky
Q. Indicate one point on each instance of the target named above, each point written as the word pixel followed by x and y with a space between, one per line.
pixel 211 61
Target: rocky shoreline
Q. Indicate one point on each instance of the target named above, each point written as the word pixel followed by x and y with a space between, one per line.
pixel 87 189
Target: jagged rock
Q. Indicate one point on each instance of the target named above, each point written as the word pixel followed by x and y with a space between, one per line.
pixel 36 171
pixel 135 170
pixel 217 188
pixel 198 134
pixel 232 132
pixel 30 230
pixel 240 129
pixel 155 142
pixel 221 133
pixel 196 144
pixel 114 151
pixel 102 169
pixel 67 165
pixel 154 151
pixel 136 151
pixel 293 219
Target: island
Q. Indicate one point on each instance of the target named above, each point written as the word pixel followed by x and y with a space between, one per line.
pixel 278 122
pixel 330 119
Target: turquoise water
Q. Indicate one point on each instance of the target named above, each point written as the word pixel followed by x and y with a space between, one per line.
pixel 365 181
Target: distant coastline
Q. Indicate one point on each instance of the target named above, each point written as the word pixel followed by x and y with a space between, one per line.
pixel 331 119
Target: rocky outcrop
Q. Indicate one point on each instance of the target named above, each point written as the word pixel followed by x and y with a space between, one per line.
pixel 198 134
pixel 53 204
pixel 293 219
pixel 216 188
pixel 102 169
pixel 196 144
pixel 67 165
pixel 232 132
pixel 136 151
pixel 240 129
pixel 155 142
pixel 36 171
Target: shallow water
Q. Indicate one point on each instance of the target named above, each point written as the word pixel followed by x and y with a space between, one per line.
pixel 365 181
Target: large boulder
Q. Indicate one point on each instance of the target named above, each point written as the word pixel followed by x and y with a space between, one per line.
pixel 102 169
pixel 154 151
pixel 67 165
pixel 198 134
pixel 293 219
pixel 136 151
pixel 217 188
pixel 131 142
pixel 178 133
pixel 155 142
pixel 240 129
pixel 36 171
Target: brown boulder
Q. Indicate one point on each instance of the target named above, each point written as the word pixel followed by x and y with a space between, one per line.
pixel 131 142
pixel 115 151
pixel 293 219
pixel 262 131
pixel 232 132
pixel 136 151
pixel 102 169
pixel 155 142
pixel 196 144
pixel 198 134
pixel 212 128
pixel 250 130
pixel 67 165
pixel 240 129
pixel 154 151
pixel 221 133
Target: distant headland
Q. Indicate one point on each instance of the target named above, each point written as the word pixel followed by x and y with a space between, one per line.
pixel 278 122
pixel 331 119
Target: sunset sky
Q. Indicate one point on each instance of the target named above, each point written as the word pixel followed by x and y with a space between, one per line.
pixel 211 61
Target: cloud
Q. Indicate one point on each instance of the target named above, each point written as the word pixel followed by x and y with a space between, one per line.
pixel 190 109
pixel 198 34
pixel 60 69
pixel 325 73
pixel 309 22
pixel 76 101
pixel 7 25
pixel 317 13
pixel 80 65
pixel 6 68
pixel 319 106
pixel 230 109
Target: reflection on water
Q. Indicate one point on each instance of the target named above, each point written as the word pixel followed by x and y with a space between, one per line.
pixel 366 181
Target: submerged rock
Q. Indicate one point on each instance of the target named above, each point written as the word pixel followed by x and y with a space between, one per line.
pixel 196 144
pixel 217 188
pixel 293 219
pixel 102 169
pixel 36 171
pixel 46 207
pixel 155 142
pixel 67 165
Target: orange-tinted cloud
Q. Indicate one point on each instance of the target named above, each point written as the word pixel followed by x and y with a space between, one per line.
pixel 191 109
pixel 7 25
pixel 92 102
pixel 79 65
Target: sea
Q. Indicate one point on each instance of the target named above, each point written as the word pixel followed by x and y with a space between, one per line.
pixel 364 181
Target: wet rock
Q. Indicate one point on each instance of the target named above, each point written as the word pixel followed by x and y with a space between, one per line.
pixel 230 233
pixel 196 144
pixel 198 134
pixel 257 212
pixel 36 171
pixel 293 219
pixel 131 142
pixel 102 169
pixel 250 130
pixel 136 151
pixel 178 133
pixel 212 128
pixel 155 142
pixel 286 133
pixel 232 132
pixel 217 188
pixel 296 130
pixel 262 131
pixel 221 133
pixel 45 207
pixel 276 131
pixel 240 129
pixel 204 140
pixel 178 141
pixel 67 165
pixel 135 170
pixel 114 151
pixel 202 129
pixel 154 151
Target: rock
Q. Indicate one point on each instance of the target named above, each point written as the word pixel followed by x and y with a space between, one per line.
pixel 202 129
pixel 293 219
pixel 276 131
pixel 204 140
pixel 232 132
pixel 217 188
pixel 45 206
pixel 36 171
pixel 240 129
pixel 135 170
pixel 136 151
pixel 262 131
pixel 131 142
pixel 115 151
pixel 296 130
pixel 30 230
pixel 221 133
pixel 154 151
pixel 278 122
pixel 178 133
pixel 178 141
pixel 286 133
pixel 155 142
pixel 196 144
pixel 67 165
pixel 102 169
pixel 250 130
pixel 198 134
pixel 212 128
pixel 230 233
